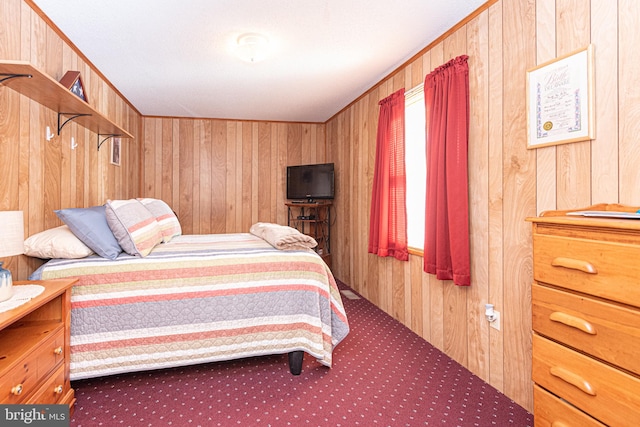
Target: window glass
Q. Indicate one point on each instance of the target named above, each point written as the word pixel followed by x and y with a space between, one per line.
pixel 416 165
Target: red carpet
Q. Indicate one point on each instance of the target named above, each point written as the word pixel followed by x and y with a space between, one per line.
pixel 383 375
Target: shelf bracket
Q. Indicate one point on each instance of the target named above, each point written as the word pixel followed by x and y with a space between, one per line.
pixel 107 137
pixel 72 116
pixel 13 76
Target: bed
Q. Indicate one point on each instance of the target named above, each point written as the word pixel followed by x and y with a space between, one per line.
pixel 198 299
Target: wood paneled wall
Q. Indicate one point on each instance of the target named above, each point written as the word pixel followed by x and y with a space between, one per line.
pixel 507 181
pixel 38 176
pixel 222 176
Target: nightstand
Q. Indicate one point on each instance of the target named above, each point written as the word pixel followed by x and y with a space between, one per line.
pixel 34 347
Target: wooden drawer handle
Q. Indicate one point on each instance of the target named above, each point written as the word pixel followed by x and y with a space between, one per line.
pixel 16 390
pixel 58 389
pixel 573 321
pixel 57 351
pixel 574 264
pixel 573 379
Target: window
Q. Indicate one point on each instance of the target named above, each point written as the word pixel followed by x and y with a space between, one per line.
pixel 416 166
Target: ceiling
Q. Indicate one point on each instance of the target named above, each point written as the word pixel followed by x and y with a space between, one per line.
pixel 176 58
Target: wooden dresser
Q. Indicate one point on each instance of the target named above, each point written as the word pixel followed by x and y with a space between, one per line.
pixel 586 319
pixel 34 347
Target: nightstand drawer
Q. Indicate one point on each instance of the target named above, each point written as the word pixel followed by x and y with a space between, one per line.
pixel 611 396
pixel 551 412
pixel 52 390
pixel 589 266
pixel 20 382
pixel 607 331
pixel 50 353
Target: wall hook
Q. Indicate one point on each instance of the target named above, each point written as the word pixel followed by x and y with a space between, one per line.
pixel 49 135
pixel 73 143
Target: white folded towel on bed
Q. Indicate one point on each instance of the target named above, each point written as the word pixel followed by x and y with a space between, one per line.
pixel 283 237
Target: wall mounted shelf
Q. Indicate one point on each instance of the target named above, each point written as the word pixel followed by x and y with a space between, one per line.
pixel 26 79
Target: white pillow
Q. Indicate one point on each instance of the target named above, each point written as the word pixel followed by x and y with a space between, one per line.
pixel 59 242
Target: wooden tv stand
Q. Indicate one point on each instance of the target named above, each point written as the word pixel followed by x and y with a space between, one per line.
pixel 313 219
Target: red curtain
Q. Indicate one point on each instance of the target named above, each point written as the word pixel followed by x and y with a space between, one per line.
pixel 388 218
pixel 446 241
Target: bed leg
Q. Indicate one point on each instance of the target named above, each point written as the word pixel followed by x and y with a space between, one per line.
pixel 295 362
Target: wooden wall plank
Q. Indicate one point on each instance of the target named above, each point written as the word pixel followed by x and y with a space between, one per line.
pixel 478 294
pixel 150 158
pixel 358 208
pixel 174 170
pixel 495 255
pixel 196 185
pixel 546 169
pixel 264 172
pixel 415 285
pixel 230 177
pixel 574 160
pixel 246 200
pixel 604 151
pixel 276 191
pixel 282 162
pixel 397 298
pixel 519 199
pixel 165 132
pixel 629 104
pixel 204 177
pixel 218 176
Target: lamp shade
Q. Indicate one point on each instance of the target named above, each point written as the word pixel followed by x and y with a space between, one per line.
pixel 11 243
pixel 11 233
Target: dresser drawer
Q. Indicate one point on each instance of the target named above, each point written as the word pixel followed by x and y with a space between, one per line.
pixel 589 266
pixel 553 412
pixel 608 331
pixel 610 395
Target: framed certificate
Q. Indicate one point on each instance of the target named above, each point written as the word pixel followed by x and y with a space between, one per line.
pixel 560 100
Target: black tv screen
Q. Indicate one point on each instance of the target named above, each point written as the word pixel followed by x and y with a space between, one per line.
pixel 310 182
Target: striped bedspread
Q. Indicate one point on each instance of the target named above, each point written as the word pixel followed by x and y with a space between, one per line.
pixel 196 299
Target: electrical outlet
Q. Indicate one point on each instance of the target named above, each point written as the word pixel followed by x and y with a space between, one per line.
pixel 496 323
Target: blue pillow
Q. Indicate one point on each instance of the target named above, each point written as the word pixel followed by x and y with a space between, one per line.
pixel 91 227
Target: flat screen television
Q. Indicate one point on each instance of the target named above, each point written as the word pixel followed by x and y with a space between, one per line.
pixel 310 182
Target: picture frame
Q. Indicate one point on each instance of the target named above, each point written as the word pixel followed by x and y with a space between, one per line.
pixel 116 152
pixel 560 104
pixel 73 82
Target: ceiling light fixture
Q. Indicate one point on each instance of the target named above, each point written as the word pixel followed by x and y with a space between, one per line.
pixel 252 47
